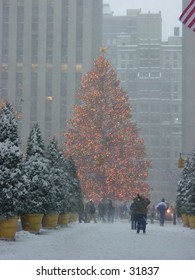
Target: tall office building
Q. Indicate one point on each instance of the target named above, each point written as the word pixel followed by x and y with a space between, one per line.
pixel 188 89
pixel 150 72
pixel 45 47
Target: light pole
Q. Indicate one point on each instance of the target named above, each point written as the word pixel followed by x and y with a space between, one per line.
pixel 181 160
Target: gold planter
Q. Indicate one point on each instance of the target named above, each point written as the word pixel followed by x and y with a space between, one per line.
pixel 73 217
pixel 8 228
pixel 50 220
pixel 31 222
pixel 185 220
pixel 64 219
pixel 191 221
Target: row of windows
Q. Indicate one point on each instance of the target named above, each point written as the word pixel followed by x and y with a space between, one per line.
pixel 48 116
pixel 147 63
pixel 49 43
pixel 64 32
pixel 156 131
pixel 166 77
pixel 157 107
pixel 35 55
pixel 34 84
pixel 147 55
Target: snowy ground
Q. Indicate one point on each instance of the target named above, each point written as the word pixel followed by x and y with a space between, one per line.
pixel 103 241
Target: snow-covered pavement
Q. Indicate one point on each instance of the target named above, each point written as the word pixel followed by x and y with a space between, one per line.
pixel 103 241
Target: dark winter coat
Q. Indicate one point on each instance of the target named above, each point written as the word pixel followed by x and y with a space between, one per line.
pixel 110 208
pixel 91 207
pixel 141 205
pixel 133 210
pixel 102 208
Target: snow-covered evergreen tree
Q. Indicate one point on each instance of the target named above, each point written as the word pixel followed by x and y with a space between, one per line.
pixel 190 190
pixel 75 190
pixel 56 176
pixel 66 195
pixel 35 144
pixel 10 160
pixel 36 169
pixel 183 185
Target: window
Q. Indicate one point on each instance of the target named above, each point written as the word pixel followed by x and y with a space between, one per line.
pixel 64 32
pixel 155 75
pixel 34 84
pixel 122 56
pixel 143 75
pixel 175 88
pixel 175 77
pixel 79 32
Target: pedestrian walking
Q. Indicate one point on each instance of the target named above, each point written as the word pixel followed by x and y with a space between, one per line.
pixel 152 214
pixel 102 210
pixel 141 208
pixel 86 212
pixel 161 207
pixel 110 211
pixel 81 215
pixel 92 210
pixel 123 211
pixel 132 211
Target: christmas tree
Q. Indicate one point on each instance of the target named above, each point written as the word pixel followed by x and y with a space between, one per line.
pixel 75 190
pixel 103 140
pixel 38 193
pixel 10 163
pixel 60 181
pixel 183 183
pixel 190 189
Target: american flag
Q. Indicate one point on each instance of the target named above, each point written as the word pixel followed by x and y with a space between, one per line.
pixel 188 15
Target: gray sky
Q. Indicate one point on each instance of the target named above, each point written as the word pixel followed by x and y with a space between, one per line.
pixel 170 11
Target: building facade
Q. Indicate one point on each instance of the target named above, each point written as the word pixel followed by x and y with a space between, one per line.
pixel 188 89
pixel 150 72
pixel 45 47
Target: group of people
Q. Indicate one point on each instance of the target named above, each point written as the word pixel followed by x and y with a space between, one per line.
pixel 139 210
pixel 88 212
pixel 105 209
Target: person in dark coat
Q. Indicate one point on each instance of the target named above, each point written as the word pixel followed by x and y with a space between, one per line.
pixel 91 211
pixel 133 215
pixel 81 214
pixel 141 208
pixel 110 211
pixel 102 210
pixel 86 213
pixel 161 207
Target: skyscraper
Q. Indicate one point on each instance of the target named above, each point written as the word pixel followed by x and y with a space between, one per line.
pixel 188 88
pixel 45 47
pixel 150 72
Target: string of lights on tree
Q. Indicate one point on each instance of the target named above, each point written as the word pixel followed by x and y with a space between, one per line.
pixel 104 141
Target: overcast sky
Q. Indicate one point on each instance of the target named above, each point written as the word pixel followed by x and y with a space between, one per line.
pixel 170 11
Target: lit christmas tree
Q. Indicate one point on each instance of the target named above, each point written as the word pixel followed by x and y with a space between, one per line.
pixel 103 140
